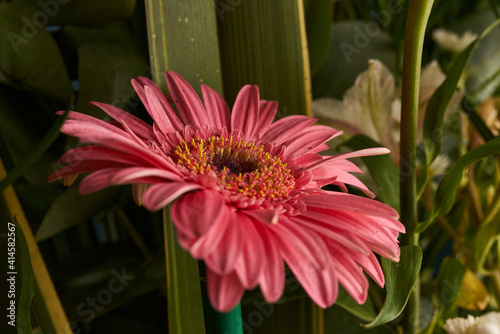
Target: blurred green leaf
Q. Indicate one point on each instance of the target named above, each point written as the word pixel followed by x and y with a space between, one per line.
pixel 264 42
pixel 34 154
pixel 71 208
pixel 183 38
pixel 93 13
pixel 449 281
pixel 350 52
pixel 318 26
pixel 105 71
pixel 446 192
pixel 484 89
pixel 338 320
pixel 185 306
pixel 434 115
pixel 484 241
pixel 382 169
pixel 27 282
pixel 400 278
pixel 365 311
pixel 21 129
pixel 29 56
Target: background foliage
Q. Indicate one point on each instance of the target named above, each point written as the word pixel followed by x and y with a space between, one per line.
pixel 62 54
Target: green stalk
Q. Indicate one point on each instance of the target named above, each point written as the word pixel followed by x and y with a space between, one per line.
pixel 418 14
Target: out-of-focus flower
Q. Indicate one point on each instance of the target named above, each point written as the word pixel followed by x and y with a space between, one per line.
pixel 248 190
pixel 450 41
pixel 486 324
pixel 372 106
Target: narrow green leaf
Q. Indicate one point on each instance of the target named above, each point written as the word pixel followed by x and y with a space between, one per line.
pixel 185 305
pixel 71 208
pixel 318 26
pixel 382 169
pixel 264 42
pixel 446 192
pixel 484 240
pixel 183 38
pixel 434 115
pixel 27 282
pixel 35 154
pixel 400 278
pixel 365 311
pixel 29 56
pixel 449 281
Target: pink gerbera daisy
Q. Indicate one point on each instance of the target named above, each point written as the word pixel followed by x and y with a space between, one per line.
pixel 247 191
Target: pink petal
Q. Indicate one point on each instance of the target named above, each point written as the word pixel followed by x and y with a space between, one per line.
pixel 361 153
pixel 222 260
pixel 187 101
pixel 350 203
pixel 194 213
pixel 320 284
pixel 249 264
pixel 224 291
pixel 282 129
pixel 139 84
pixel 160 194
pixel 217 110
pixel 265 216
pixel 306 242
pixel 309 139
pixel 246 111
pixel 141 128
pixel 272 277
pixel 268 111
pixel 351 276
pixel 157 111
pixel 136 174
pixel 97 181
pixel 371 265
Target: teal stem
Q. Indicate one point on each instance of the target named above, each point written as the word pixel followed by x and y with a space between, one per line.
pixel 217 322
pixel 418 15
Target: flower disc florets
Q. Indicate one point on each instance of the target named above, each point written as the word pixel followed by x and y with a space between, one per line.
pixel 242 168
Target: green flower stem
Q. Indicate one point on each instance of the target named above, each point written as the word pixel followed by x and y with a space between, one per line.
pixel 418 14
pixel 216 322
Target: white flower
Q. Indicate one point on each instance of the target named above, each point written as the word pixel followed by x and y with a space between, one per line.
pixel 450 41
pixel 486 324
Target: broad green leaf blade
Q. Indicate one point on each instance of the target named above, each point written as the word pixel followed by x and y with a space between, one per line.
pixel 365 311
pixel 185 305
pixel 79 12
pixel 400 278
pixel 35 154
pixel 46 303
pixel 29 56
pixel 382 169
pixel 264 42
pixel 434 115
pixel 446 192
pixel 318 26
pixel 71 208
pixel 183 38
pixel 105 71
pixel 26 279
